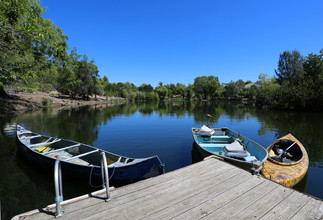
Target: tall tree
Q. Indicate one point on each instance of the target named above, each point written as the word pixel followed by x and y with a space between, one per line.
pixel 313 66
pixel 207 86
pixel 313 81
pixel 181 90
pixel 190 91
pixel 290 67
pixel 145 88
pixel 87 72
pixel 162 91
pixel 28 42
pixel 267 90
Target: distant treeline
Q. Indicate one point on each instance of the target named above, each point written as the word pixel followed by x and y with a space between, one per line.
pixel 34 55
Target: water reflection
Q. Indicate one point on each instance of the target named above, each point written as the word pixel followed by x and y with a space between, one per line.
pixel 83 124
pixel 144 129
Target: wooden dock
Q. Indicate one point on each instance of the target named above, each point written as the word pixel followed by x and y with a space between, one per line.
pixel 211 189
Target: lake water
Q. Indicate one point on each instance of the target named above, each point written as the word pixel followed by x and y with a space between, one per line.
pixel 142 130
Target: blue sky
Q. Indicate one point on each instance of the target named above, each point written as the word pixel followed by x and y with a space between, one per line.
pixel 170 41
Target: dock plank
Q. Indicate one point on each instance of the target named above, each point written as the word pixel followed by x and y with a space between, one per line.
pixel 311 210
pixel 143 187
pixel 242 202
pixel 126 196
pixel 180 191
pixel 288 207
pixel 211 189
pixel 203 209
pixel 264 204
pixel 218 187
pixel 160 196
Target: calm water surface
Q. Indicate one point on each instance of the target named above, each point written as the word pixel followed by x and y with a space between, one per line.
pixel 142 130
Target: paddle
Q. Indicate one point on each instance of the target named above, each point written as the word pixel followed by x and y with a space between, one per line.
pixel 290 146
pixel 284 152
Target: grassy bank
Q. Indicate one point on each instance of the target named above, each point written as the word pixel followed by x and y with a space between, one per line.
pixel 25 101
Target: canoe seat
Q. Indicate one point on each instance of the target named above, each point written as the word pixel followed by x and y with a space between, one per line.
pixel 220 136
pixel 43 149
pixel 64 155
pixel 211 145
pixel 242 154
pixel 250 158
pixel 234 147
pixel 79 161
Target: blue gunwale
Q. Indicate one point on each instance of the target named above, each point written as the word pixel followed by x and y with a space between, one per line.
pixel 209 146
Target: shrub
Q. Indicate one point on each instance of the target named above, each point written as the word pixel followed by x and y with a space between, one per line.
pixel 46 102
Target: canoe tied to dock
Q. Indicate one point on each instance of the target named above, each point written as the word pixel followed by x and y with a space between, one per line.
pixel 230 146
pixel 82 162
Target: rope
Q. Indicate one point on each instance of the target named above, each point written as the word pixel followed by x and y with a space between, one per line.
pixel 114 168
pixel 90 178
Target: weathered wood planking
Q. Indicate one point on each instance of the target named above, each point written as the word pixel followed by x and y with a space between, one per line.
pixel 211 189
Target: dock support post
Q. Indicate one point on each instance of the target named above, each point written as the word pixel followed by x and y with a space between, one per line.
pixel 105 175
pixel 58 188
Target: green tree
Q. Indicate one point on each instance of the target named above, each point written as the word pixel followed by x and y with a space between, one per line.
pixel 172 90
pixel 290 67
pixel 267 90
pixel 29 44
pixel 181 90
pixel 207 86
pixel 162 91
pixel 230 89
pixel 313 81
pixel 251 92
pixel 67 79
pixel 145 88
pixel 130 91
pixel 86 73
pixel 104 85
pixel 190 92
pixel 240 84
pixel 313 67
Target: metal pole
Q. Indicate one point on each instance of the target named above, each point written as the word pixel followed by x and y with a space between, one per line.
pixel 105 175
pixel 208 120
pixel 58 188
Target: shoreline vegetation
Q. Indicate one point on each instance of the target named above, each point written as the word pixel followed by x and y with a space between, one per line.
pixel 35 57
pixel 22 102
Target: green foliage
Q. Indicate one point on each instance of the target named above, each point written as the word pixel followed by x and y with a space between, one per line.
pixel 145 88
pixel 181 90
pixel 162 92
pixel 147 96
pixel 189 92
pixel 267 90
pixel 208 87
pixel 236 89
pixel 151 96
pixel 33 56
pixel 47 102
pixel 290 67
pixel 240 89
pixel 141 96
pixel 86 73
pixel 298 85
pixel 29 44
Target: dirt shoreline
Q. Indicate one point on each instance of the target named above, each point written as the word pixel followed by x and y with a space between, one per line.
pixel 24 101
